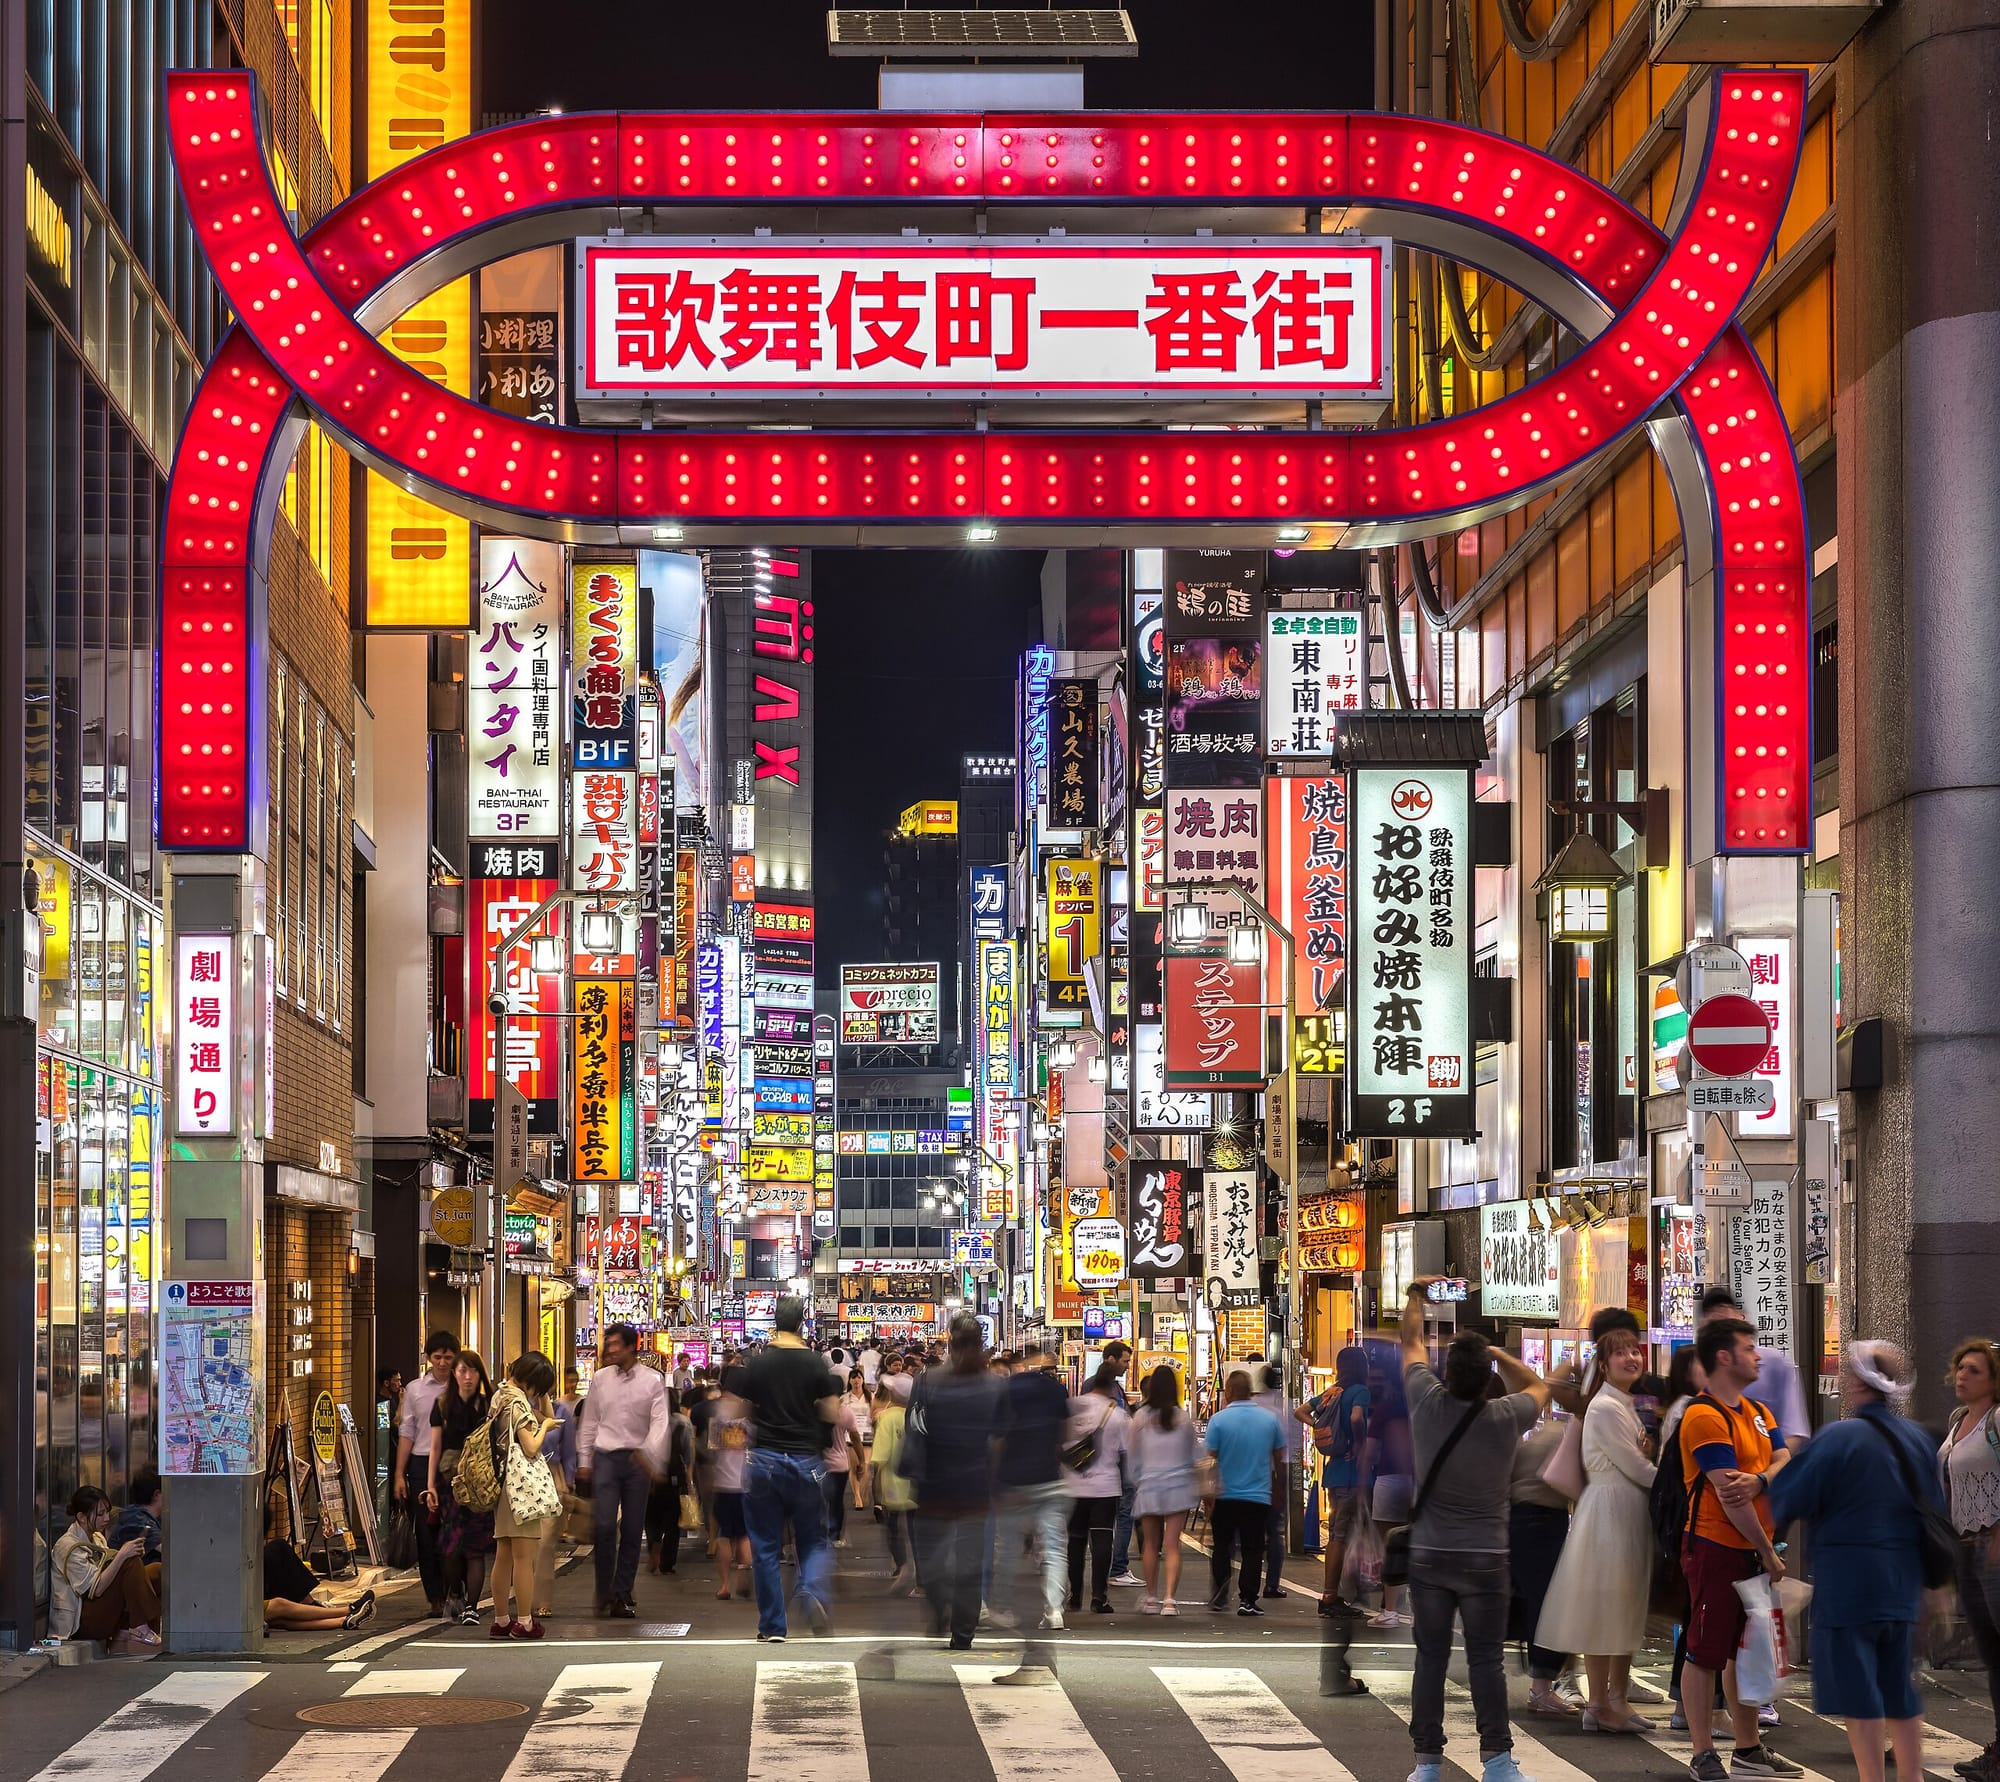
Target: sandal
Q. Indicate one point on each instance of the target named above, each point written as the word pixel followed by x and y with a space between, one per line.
pixel 722 1596
pixel 1354 1687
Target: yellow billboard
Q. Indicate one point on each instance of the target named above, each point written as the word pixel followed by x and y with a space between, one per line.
pixel 932 817
pixel 420 569
pixel 769 1163
pixel 1076 923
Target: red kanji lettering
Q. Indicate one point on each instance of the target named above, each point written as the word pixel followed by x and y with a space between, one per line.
pixel 966 321
pixel 658 319
pixel 887 310
pixel 775 315
pixel 1297 324
pixel 1196 320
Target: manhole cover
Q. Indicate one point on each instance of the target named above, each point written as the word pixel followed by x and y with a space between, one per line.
pixel 410 1710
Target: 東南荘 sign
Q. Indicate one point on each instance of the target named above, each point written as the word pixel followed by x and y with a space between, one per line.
pixel 963 318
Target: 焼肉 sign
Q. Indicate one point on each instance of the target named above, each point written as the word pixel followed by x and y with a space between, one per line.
pixel 971 318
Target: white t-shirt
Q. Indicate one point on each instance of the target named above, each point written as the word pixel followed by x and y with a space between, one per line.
pixel 870 1360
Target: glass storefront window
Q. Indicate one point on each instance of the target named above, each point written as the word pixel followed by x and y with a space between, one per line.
pixel 90 966
pixel 63 1418
pixel 90 1276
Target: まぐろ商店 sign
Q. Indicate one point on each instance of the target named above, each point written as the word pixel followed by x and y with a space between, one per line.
pixel 970 317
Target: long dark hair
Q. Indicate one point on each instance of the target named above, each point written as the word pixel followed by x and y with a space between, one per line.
pixel 1350 1366
pixel 1163 1394
pixel 476 1404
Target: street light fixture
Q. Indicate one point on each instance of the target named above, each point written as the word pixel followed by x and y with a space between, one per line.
pixel 1576 889
pixel 1190 923
pixel 1246 941
pixel 545 955
pixel 600 931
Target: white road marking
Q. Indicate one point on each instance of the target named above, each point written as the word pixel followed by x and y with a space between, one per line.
pixel 132 1743
pixel 362 1753
pixel 1030 1733
pixel 805 1721
pixel 588 1727
pixel 1255 1735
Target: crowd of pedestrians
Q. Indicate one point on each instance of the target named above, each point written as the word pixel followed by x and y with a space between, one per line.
pixel 1465 1497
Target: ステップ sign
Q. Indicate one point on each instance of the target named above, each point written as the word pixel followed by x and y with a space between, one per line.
pixel 969 318
pixel 1409 1070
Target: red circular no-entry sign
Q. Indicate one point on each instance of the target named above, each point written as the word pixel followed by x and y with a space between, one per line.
pixel 1729 1035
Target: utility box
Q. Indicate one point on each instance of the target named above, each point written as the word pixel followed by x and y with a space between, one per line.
pixel 1739 31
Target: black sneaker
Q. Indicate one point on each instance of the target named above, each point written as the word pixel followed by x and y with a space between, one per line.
pixel 621 1610
pixel 1250 1608
pixel 1219 1602
pixel 1761 1760
pixel 770 1639
pixel 1708 1767
pixel 1980 1765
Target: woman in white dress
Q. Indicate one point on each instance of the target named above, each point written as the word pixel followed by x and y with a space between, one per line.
pixel 1598 1597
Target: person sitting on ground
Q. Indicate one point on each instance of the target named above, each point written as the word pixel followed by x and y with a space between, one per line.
pixel 97 1592
pixel 140 1518
pixel 288 1591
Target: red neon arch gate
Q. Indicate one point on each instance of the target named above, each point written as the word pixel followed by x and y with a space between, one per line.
pixel 1661 313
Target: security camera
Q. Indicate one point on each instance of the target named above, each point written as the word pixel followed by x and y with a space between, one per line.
pixel 496 1004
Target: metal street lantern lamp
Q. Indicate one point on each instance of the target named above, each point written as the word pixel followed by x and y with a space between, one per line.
pixel 1576 889
pixel 1246 941
pixel 600 931
pixel 545 955
pixel 1189 924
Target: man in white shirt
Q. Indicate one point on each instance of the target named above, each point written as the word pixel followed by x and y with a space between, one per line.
pixel 621 1443
pixel 870 1359
pixel 413 1458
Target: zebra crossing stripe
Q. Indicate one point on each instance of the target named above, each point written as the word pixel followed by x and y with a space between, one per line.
pixel 1461 1728
pixel 588 1726
pixel 1257 1737
pixel 1033 1733
pixel 805 1721
pixel 132 1743
pixel 360 1754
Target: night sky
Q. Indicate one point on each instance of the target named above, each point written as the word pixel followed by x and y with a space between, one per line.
pixel 916 648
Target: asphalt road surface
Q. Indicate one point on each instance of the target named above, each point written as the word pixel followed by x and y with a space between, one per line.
pixel 686 1692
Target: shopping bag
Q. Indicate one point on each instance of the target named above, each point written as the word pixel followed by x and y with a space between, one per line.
pixel 1564 1469
pixel 1760 1659
pixel 690 1511
pixel 399 1546
pixel 1361 1571
pixel 1793 1596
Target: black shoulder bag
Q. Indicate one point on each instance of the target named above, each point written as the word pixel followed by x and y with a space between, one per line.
pixel 1396 1545
pixel 1937 1540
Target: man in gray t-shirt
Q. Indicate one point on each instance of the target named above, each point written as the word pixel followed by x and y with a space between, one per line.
pixel 1458 1542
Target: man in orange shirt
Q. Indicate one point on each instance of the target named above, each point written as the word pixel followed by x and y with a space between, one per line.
pixel 1731 1447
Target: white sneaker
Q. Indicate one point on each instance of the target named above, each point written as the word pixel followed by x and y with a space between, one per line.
pixel 1149 1605
pixel 1053 1621
pixel 1129 1578
pixel 1170 1607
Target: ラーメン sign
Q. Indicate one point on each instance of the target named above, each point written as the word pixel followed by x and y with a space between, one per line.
pixel 980 318
pixel 1409 1054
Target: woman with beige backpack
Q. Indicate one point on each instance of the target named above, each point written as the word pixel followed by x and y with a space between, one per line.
pixel 520 1420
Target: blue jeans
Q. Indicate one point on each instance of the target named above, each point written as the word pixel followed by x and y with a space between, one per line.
pixel 1121 1535
pixel 618 1490
pixel 778 1487
pixel 1043 1511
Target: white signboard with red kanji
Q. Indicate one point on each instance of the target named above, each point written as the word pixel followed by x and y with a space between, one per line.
pixel 204 1035
pixel 1135 320
pixel 1409 1071
pixel 1769 958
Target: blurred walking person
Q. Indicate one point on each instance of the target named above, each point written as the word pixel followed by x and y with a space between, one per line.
pixel 1093 1449
pixel 1243 1437
pixel 413 1458
pixel 793 1398
pixel 846 1462
pixel 1862 1487
pixel 1463 1441
pixel 1537 1527
pixel 1969 1463
pixel 728 1437
pixel 624 1425
pixel 1160 1455
pixel 1033 1501
pixel 1339 1420
pixel 894 1495
pixel 1598 1598
pixel 960 1406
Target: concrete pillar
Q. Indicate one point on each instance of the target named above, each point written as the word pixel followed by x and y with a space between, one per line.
pixel 1917 298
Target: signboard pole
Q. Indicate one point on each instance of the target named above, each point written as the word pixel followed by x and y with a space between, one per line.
pixel 210 1333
